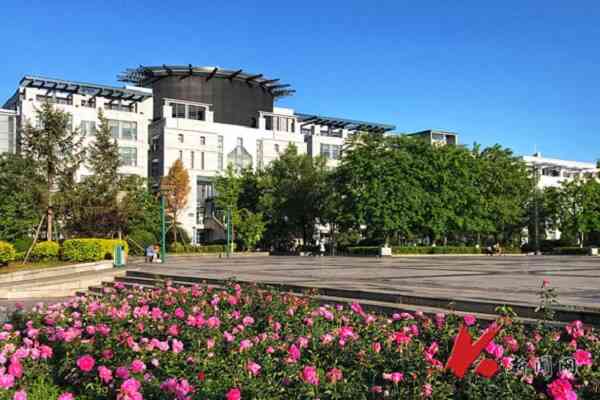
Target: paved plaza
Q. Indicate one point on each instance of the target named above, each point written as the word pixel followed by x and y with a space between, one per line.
pixel 499 279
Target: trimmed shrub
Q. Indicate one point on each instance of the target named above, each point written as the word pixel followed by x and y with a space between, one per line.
pixel 23 244
pixel 7 253
pixel 45 251
pixel 83 250
pixel 363 250
pixel 91 249
pixel 137 239
pixel 411 250
pixel 177 248
pixel 208 248
pixel 571 251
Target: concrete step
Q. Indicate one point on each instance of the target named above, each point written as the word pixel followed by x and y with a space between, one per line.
pixel 27 275
pixel 524 311
pixel 58 286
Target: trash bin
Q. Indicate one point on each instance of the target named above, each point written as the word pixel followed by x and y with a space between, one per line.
pixel 119 256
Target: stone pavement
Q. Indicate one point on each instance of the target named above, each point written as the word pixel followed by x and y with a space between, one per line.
pixel 498 279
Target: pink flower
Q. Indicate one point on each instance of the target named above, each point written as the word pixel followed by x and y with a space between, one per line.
pixel 179 313
pixel 253 368
pixel 469 320
pixel 15 368
pixel 105 374
pixel 66 396
pixel 122 373
pixel 86 363
pixel 213 322
pixel 427 390
pixel 376 347
pixel 177 346
pixel 395 377
pixel 583 357
pixel 334 375
pixel 245 345
pixel 234 394
pixel 507 363
pixel 20 395
pixel 130 390
pixel 310 375
pixel 248 321
pixel 545 283
pixel 137 366
pixel 293 354
pixel 7 381
pixel 561 389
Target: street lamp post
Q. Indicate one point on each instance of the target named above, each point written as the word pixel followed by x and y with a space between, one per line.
pixel 165 187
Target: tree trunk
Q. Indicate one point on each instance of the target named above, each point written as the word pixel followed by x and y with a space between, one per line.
pixel 50 211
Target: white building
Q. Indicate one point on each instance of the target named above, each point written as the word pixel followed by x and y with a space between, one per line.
pixel 7 131
pixel 552 171
pixel 207 117
pixel 128 110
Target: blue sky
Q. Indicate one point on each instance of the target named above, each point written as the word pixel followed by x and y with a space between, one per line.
pixel 518 73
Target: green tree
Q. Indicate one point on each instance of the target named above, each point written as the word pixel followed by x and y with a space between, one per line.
pixel 292 191
pixel 250 228
pixel 93 207
pixel 21 200
pixel 378 186
pixel 228 187
pixel 56 150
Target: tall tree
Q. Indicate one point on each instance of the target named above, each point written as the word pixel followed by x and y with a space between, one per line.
pixel 21 189
pixel 178 183
pixel 293 188
pixel 228 188
pixel 56 149
pixel 94 207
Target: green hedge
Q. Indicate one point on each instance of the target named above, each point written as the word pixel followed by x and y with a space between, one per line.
pixel 91 249
pixel 7 252
pixel 208 248
pixel 23 244
pixel 571 250
pixel 375 250
pixel 44 251
pixel 140 238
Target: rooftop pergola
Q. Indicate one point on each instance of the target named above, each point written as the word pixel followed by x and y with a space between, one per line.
pixel 71 87
pixel 343 123
pixel 145 76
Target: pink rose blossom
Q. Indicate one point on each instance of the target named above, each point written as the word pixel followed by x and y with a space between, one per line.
pixel 234 394
pixel 561 389
pixel 105 374
pixel 583 358
pixel 66 396
pixel 395 377
pixel 253 368
pixel 137 366
pixel 310 375
pixel 20 395
pixel 7 381
pixel 334 375
pixel 469 320
pixel 427 390
pixel 86 363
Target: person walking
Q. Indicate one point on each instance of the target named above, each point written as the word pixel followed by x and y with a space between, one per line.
pixel 322 248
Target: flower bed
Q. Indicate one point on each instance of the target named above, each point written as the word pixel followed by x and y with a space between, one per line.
pixel 245 343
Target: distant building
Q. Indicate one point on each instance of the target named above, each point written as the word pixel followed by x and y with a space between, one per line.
pixel 552 171
pixel 436 137
pixel 7 131
pixel 207 117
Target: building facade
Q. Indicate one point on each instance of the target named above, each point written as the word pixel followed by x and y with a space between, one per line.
pixel 8 131
pixel 207 117
pixel 128 110
pixel 551 172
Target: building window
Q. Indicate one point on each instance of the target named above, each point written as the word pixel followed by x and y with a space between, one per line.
pixel 202 160
pixel 120 107
pixel 123 129
pixel 202 140
pixel 331 151
pixel 180 155
pixel 192 159
pixel 128 156
pixel 220 153
pixel 277 148
pixel 128 130
pixel 55 100
pixel 196 113
pixel 178 110
pixel 91 103
pixel 268 123
pixel 88 128
pixel 240 141
pixel 305 131
pixel 180 138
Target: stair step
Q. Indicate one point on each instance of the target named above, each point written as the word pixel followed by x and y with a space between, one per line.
pixel 524 311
